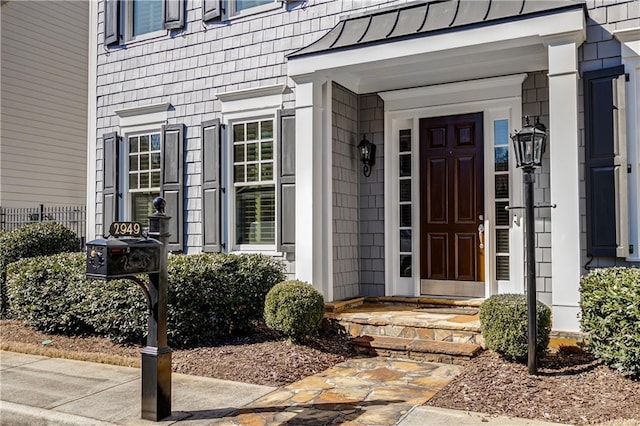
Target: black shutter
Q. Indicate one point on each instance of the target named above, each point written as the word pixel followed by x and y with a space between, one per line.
pixel 171 185
pixel 211 9
pixel 286 181
pixel 110 193
pixel 173 14
pixel 111 22
pixel 211 218
pixel 600 161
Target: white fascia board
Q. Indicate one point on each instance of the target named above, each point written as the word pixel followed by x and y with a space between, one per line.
pixel 567 24
pixel 451 93
pixel 630 40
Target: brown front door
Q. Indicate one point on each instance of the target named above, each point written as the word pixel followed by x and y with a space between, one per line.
pixel 451 205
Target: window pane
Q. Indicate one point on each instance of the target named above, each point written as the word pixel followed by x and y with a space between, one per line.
pixel 267 150
pixel 501 132
pixel 133 181
pixel 144 143
pixel 405 215
pixel 267 171
pixel 502 186
pixel 246 4
pixel 266 129
pixel 252 131
pixel 144 162
pixel 155 142
pixel 502 267
pixel 133 144
pixel 252 173
pixel 155 179
pixel 405 240
pixel 238 132
pixel 255 215
pixel 144 180
pixel 238 153
pixel 405 140
pixel 405 165
pixel 502 159
pixel 147 16
pixel 405 190
pixel 133 163
pixel 142 207
pixel 252 152
pixel 502 243
pixel 405 266
pixel 502 215
pixel 238 173
pixel 155 159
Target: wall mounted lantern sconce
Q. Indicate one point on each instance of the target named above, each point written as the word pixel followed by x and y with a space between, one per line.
pixel 529 145
pixel 367 155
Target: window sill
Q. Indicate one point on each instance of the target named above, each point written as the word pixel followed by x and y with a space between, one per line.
pixel 133 41
pixel 255 11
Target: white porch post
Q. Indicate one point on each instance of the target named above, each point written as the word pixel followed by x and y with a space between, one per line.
pixel 314 237
pixel 565 219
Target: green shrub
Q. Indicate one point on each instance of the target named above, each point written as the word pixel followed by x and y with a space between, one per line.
pixel 209 295
pixel 504 325
pixel 610 304
pixel 37 239
pixel 49 293
pixel 218 294
pixel 294 308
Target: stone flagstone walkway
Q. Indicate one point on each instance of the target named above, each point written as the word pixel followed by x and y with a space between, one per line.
pixel 367 391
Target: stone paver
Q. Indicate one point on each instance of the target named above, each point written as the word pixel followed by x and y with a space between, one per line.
pixel 366 391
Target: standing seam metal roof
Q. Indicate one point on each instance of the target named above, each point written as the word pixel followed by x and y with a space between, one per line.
pixel 420 19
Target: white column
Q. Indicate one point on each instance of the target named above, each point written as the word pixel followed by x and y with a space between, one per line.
pixel 565 218
pixel 314 237
pixel 91 122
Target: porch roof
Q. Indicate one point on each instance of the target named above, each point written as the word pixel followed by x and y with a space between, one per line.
pixel 428 18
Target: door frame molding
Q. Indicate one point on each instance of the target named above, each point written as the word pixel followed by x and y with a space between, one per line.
pixel 497 98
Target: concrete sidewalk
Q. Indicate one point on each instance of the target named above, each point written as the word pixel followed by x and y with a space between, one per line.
pixel 37 390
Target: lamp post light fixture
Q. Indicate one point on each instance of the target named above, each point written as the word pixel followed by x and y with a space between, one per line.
pixel 367 155
pixel 529 145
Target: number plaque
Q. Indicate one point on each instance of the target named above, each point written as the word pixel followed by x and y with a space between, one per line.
pixel 126 229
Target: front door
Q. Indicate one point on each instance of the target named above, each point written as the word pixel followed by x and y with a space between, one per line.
pixel 452 206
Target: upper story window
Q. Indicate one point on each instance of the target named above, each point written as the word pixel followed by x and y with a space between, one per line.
pixel 145 16
pixel 226 9
pixel 240 5
pixel 130 20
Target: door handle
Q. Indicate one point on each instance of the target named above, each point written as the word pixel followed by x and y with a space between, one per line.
pixel 481 235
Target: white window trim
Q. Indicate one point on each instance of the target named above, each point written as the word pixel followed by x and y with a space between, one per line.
pixel 135 121
pixel 128 36
pixel 630 41
pixel 498 98
pixel 232 14
pixel 245 105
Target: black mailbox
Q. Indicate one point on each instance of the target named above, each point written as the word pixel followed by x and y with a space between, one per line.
pixel 116 258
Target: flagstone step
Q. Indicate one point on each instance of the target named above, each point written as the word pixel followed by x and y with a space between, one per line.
pixel 421 350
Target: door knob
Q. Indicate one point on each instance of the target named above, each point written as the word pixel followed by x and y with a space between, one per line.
pixel 481 235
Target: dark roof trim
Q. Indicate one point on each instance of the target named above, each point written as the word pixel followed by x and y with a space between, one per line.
pixel 426 18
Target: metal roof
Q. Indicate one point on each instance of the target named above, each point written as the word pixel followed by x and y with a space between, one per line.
pixel 423 18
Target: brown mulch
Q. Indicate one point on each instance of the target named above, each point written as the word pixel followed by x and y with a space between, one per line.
pixel 261 358
pixel 571 387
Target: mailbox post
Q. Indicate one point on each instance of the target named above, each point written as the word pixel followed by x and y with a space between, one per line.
pixel 156 356
pixel 125 255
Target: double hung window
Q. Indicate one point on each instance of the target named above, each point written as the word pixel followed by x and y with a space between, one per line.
pixel 253 181
pixel 144 155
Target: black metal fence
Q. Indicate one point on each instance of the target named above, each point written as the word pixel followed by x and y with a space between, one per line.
pixel 73 217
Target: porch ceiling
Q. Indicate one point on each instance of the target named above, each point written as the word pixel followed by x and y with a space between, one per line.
pixel 382 50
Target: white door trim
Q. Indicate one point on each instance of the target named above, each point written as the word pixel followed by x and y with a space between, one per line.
pixel 405 108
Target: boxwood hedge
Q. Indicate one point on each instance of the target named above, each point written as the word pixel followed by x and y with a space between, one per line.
pixel 209 295
pixel 294 308
pixel 610 305
pixel 504 325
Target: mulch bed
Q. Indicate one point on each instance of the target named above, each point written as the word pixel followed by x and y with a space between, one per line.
pixel 571 387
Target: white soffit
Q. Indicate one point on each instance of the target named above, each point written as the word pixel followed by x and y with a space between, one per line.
pixel 509 86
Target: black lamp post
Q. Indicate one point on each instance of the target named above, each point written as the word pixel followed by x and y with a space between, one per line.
pixel 367 155
pixel 529 145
